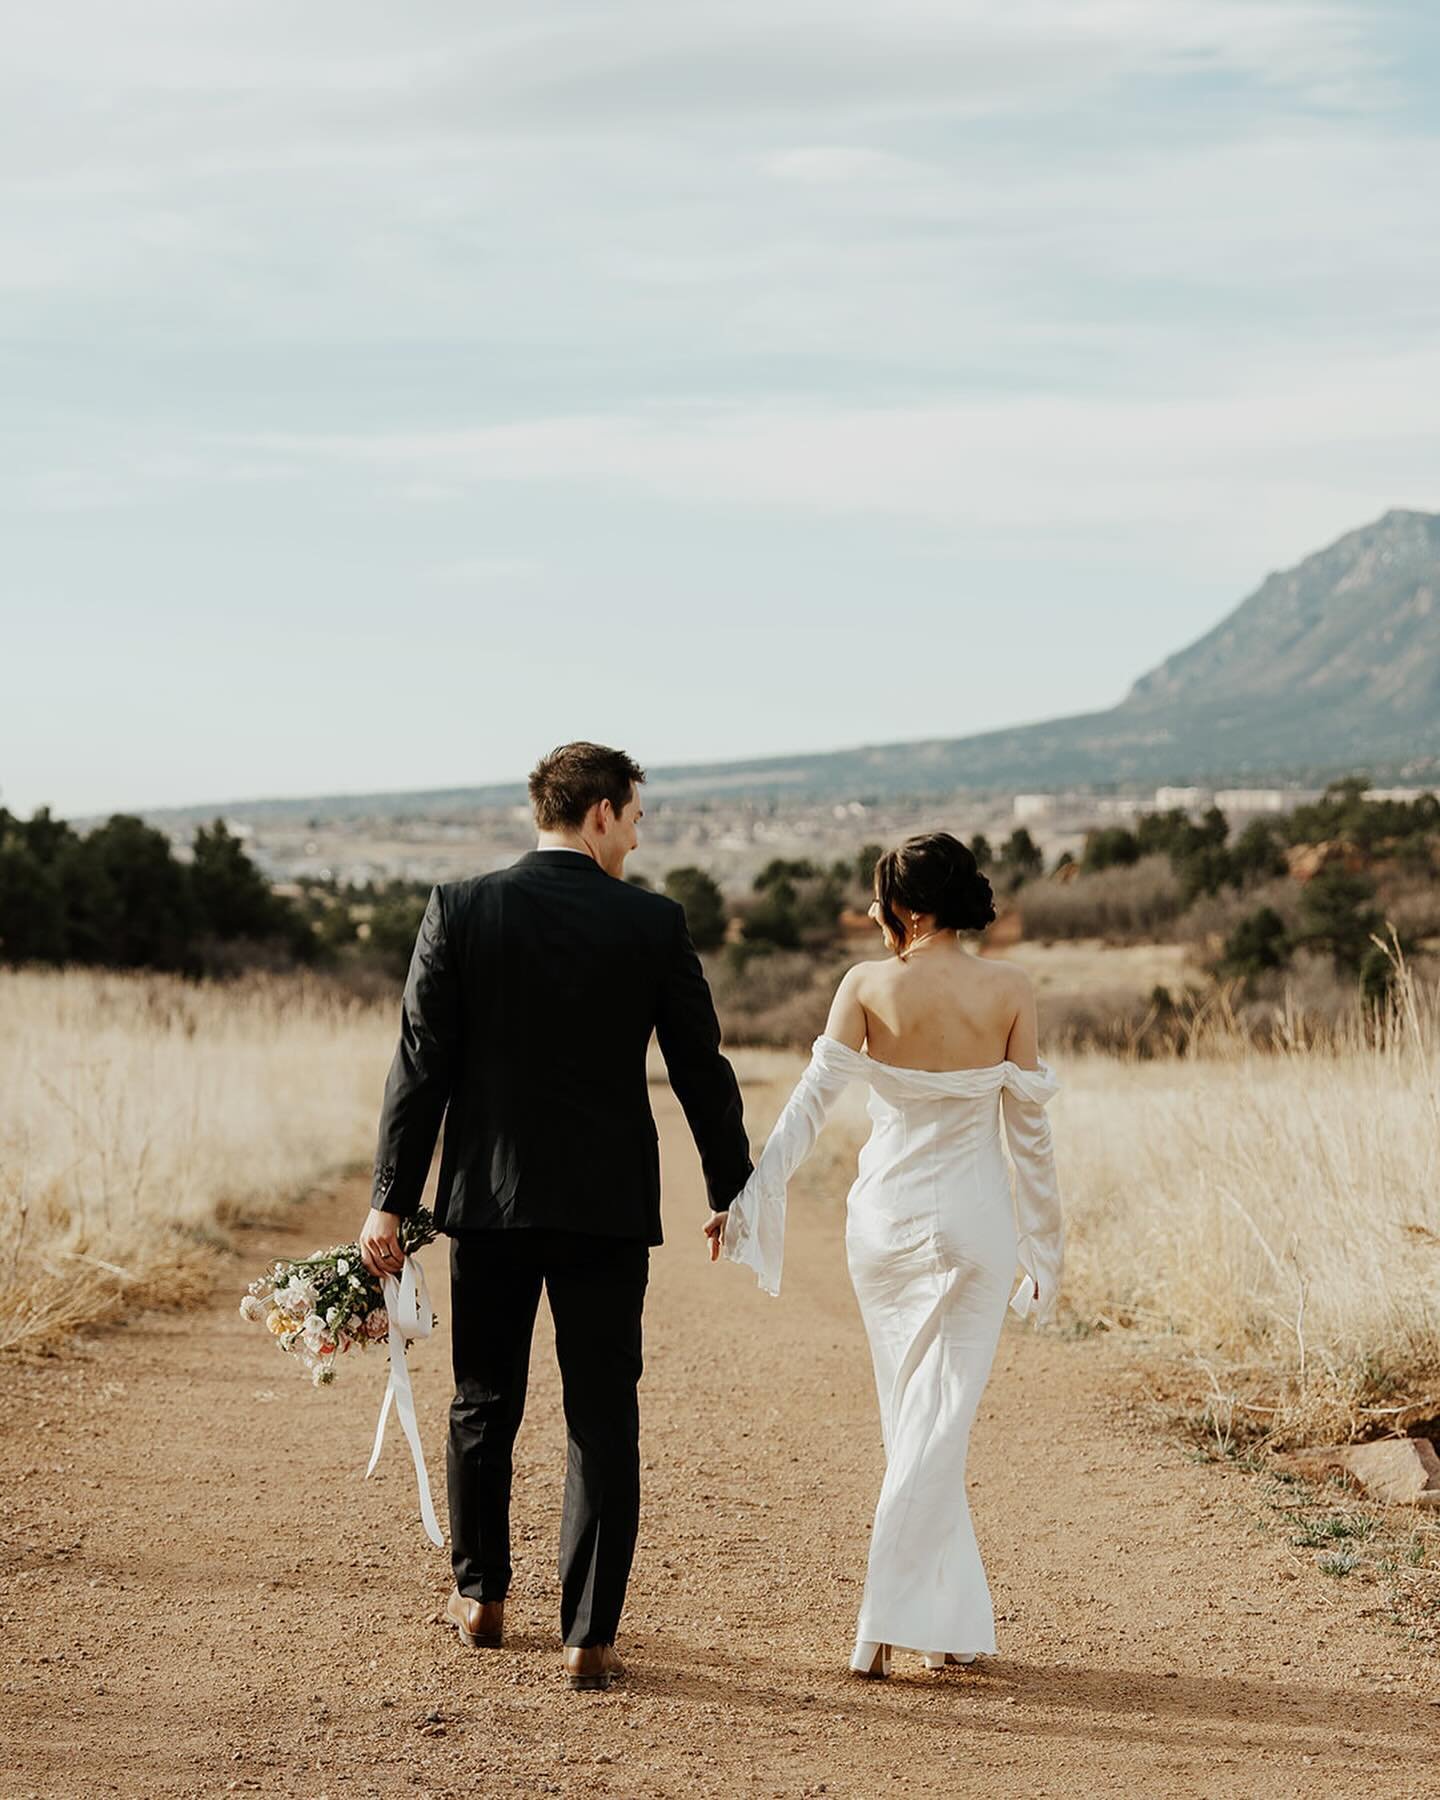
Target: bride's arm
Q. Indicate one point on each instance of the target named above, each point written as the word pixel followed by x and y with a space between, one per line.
pixel 1039 1224
pixel 754 1227
pixel 846 1023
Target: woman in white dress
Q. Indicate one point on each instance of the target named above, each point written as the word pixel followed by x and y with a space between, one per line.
pixel 946 1042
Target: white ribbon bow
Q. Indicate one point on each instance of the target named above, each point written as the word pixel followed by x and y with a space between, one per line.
pixel 407 1301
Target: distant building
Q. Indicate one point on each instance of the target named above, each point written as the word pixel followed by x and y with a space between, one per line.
pixel 1033 806
pixel 1181 799
pixel 1254 800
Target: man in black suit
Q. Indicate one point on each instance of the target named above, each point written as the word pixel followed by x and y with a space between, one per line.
pixel 528 1011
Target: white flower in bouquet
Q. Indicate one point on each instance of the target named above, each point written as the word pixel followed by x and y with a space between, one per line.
pixel 252 1307
pixel 297 1298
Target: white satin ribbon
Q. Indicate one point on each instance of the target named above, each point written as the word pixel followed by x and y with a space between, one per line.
pixel 407 1301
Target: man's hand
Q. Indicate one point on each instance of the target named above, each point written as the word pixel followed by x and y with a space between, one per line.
pixel 380 1243
pixel 715 1231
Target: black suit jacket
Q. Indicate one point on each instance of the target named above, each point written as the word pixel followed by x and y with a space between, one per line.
pixel 528 1011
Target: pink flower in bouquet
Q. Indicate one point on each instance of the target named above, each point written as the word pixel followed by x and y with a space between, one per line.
pixel 377 1322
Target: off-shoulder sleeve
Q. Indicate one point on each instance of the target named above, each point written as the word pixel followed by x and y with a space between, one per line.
pixel 1038 1220
pixel 755 1224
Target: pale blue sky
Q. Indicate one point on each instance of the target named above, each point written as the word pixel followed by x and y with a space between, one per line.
pixel 394 391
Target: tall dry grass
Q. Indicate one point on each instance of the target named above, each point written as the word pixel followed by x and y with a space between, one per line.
pixel 1275 1213
pixel 140 1114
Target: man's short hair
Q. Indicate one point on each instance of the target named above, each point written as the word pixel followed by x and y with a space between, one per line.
pixel 565 784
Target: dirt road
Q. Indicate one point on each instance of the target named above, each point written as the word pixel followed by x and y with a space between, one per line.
pixel 203 1596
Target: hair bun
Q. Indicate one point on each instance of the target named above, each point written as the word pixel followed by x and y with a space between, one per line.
pixel 938 876
pixel 970 899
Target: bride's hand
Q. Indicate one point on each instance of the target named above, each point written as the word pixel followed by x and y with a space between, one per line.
pixel 715 1231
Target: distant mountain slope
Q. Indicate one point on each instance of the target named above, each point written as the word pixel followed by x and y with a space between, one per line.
pixel 1331 666
pixel 1341 653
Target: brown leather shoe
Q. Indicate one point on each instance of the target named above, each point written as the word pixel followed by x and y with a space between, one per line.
pixel 481 1623
pixel 592 1667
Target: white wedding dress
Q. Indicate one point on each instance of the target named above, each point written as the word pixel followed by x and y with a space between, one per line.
pixel 933 1236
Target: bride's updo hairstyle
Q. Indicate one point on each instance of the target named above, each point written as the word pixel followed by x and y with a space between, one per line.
pixel 937 876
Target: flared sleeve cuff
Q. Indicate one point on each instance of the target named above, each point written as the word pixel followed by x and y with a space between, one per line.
pixel 1041 1263
pixel 754 1231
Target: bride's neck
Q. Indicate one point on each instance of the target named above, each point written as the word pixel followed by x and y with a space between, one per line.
pixel 927 939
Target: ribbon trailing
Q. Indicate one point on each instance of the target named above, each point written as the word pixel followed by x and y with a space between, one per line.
pixel 407 1301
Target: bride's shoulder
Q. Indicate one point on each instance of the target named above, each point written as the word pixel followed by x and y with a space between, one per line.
pixel 863 976
pixel 1006 974
pixel 1006 985
pixel 854 1000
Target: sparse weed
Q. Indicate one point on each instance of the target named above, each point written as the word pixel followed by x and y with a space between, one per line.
pixel 1337 1526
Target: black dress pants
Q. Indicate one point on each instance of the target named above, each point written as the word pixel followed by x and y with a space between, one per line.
pixel 596 1288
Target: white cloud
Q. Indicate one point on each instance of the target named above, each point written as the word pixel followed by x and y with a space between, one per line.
pixel 1294 459
pixel 152 84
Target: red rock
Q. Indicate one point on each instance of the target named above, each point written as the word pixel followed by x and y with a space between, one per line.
pixel 1397 1471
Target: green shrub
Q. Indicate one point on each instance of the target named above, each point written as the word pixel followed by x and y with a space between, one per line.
pixel 1257 943
pixel 1110 847
pixel 1337 917
pixel 704 905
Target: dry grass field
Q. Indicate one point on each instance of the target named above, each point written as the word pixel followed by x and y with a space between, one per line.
pixel 1091 968
pixel 139 1114
pixel 1272 1219
pixel 1275 1216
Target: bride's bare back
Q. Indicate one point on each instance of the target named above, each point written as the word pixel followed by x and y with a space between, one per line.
pixel 944 1008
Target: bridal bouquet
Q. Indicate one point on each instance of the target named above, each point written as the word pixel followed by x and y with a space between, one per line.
pixel 323 1305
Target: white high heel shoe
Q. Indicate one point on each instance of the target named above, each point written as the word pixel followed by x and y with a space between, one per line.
pixel 870 1659
pixel 937 1659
